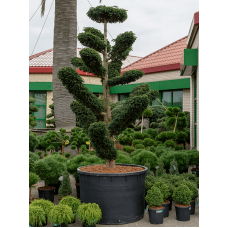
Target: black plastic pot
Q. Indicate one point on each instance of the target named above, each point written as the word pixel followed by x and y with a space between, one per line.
pixel 183 213
pixel 166 209
pixel 56 187
pixel 46 194
pixel 156 216
pixel 193 205
pixel 78 190
pixel 121 196
pixel 171 203
pixel 86 225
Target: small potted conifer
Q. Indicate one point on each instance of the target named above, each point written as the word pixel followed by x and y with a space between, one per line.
pixel 72 202
pixel 61 215
pixel 154 198
pixel 36 216
pixel 182 195
pixel 195 194
pixel 89 214
pixel 33 179
pixel 65 187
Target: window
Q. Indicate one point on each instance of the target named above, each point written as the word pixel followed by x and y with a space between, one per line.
pixel 170 98
pixel 40 102
pixel 123 96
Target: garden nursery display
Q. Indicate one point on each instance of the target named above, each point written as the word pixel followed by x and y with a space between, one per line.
pixel 113 187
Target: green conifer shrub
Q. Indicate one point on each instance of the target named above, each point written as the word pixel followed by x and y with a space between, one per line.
pixel 33 141
pixel 173 167
pixel 51 121
pixel 72 202
pixel 137 141
pixel 139 146
pixel 123 159
pixel 169 143
pixel 178 147
pixel 36 216
pixel 154 197
pixel 33 179
pixel 67 155
pixel 164 188
pixel 149 181
pixel 148 142
pixel 46 205
pixel 128 149
pixel 65 188
pixel 138 135
pixel 152 132
pixel 193 188
pixel 182 195
pixel 32 108
pixel 160 171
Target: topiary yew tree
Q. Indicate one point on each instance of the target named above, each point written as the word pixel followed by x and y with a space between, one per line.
pixel 92 114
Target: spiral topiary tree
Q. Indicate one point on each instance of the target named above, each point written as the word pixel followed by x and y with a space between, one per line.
pixel 92 114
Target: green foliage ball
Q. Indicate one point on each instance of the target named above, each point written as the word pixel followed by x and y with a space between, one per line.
pixel 182 195
pixel 154 197
pixel 138 135
pixel 46 205
pixel 164 188
pixel 128 149
pixel 36 216
pixel 137 141
pixel 170 143
pixel 148 142
pixel 123 159
pixel 72 202
pixel 139 146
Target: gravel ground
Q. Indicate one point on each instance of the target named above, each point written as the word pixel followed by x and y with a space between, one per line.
pixel 167 222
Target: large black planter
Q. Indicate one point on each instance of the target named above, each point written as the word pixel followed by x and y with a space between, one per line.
pixel 166 209
pixel 156 216
pixel 78 190
pixel 171 203
pixel 56 187
pixel 46 194
pixel 121 196
pixel 183 213
pixel 193 205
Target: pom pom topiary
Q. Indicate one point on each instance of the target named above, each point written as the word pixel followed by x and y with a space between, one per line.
pixel 139 146
pixel 154 197
pixel 148 142
pixel 128 149
pixel 137 141
pixel 169 143
pixel 182 195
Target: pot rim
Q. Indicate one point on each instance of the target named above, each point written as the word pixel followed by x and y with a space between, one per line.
pixel 166 203
pixel 155 209
pixel 113 174
pixel 182 207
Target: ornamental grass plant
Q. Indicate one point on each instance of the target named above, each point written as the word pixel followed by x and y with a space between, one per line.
pixel 89 214
pixel 36 216
pixel 72 202
pixel 46 205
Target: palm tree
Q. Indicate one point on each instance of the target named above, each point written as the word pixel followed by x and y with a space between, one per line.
pixel 64 48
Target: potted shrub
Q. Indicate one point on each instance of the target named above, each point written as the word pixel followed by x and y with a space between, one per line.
pixel 89 214
pixel 46 205
pixel 33 179
pixel 195 194
pixel 65 188
pixel 194 161
pixel 164 188
pixel 182 195
pixel 37 216
pixel 72 202
pixel 49 170
pixel 154 198
pixel 61 215
pixel 101 126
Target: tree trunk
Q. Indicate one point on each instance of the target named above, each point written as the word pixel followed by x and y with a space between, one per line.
pixel 64 48
pixel 63 150
pixel 142 124
pixel 30 194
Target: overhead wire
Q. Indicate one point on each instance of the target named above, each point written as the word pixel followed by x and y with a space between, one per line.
pixel 35 12
pixel 43 26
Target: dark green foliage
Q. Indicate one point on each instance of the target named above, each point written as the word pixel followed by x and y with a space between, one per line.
pixel 179 147
pixel 139 128
pixel 72 202
pixel 114 69
pixel 151 148
pixel 51 121
pixel 187 115
pixel 125 140
pixel 160 171
pixel 49 169
pixel 182 195
pixel 33 142
pixel 127 77
pixel 98 133
pixel 193 157
pixel 162 137
pixel 46 205
pixel 158 112
pixel 145 135
pixel 164 188
pixel 39 153
pixel 65 188
pixel 160 149
pixel 90 214
pixel 33 156
pixel 32 109
pixel 123 159
pixel 128 149
pixel 102 14
pixel 193 188
pixel 54 153
pixel 154 197
pixel 173 168
pixel 152 132
pixel 170 135
pixel 61 214
pixel 169 143
pixel 67 155
pixel 146 156
pixel 159 143
pixel 139 146
pixel 136 152
pixel 33 179
pixel 138 135
pixel 149 182
pixel 31 165
pixel 181 137
pixel 148 142
pixel 154 125
pixel 36 216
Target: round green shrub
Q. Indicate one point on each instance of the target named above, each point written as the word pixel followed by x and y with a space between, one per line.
pixel 164 188
pixel 159 143
pixel 146 135
pixel 146 156
pixel 138 135
pixel 170 143
pixel 72 202
pixel 39 153
pixel 31 165
pixel 178 147
pixel 92 152
pixel 160 149
pixel 160 171
pixel 54 153
pixel 59 158
pixel 193 157
pixel 135 152
pixel 33 179
pixel 67 155
pixel 123 159
pixel 151 148
pixel 162 136
pixel 148 142
pixel 128 149
pixel 139 146
pixel 61 214
pixel 33 156
pixel 33 142
pixel 137 141
pixel 182 195
pixel 46 205
pixel 149 182
pixel 154 197
pixel 152 132
pixel 181 137
pixel 127 140
pixel 45 154
pixel 193 188
pixel 36 216
pixel 89 214
pixel 170 135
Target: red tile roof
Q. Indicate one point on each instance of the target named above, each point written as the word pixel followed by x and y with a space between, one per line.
pixel 168 55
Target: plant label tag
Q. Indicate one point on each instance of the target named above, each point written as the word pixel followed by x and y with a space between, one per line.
pixel 147 208
pixel 66 142
pixel 193 172
pixel 30 226
pixel 197 203
pixel 55 224
pixel 61 178
pixel 174 167
pixel 159 211
pixel 88 142
pixel 189 208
